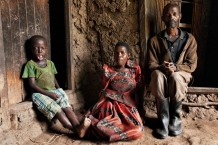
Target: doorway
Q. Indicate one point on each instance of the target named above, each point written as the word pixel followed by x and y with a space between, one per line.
pixel 58 40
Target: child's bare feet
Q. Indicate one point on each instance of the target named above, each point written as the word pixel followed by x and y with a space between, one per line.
pixel 58 127
pixel 82 129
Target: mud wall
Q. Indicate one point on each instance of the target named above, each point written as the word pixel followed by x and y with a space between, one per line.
pixel 97 26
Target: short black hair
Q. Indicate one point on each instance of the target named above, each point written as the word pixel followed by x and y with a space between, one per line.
pixel 169 5
pixel 121 43
pixel 35 38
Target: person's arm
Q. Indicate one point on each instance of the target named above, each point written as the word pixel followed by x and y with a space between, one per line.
pixel 104 78
pixel 56 84
pixel 153 62
pixel 54 71
pixel 189 63
pixel 40 90
pixel 140 92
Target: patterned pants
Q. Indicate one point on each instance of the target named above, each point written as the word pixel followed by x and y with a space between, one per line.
pixel 48 106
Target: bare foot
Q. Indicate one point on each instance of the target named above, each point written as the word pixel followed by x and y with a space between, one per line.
pixel 82 129
pixel 58 127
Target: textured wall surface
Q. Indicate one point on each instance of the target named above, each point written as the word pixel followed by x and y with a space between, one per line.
pixel 97 26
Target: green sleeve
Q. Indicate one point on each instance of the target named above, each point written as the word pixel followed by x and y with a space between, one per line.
pixel 53 68
pixel 28 71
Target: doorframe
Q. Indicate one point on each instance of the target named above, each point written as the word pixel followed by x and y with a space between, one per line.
pixel 69 46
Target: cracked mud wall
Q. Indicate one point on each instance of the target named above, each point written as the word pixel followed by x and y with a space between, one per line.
pixel 97 26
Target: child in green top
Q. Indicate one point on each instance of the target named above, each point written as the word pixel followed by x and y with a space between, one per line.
pixel 47 95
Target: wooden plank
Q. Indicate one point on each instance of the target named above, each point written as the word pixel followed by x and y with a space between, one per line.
pixel 7 38
pixel 158 14
pixel 23 37
pixel 46 23
pixel 22 29
pixel 30 10
pixel 202 90
pixel 42 20
pixel 3 81
pixel 184 25
pixel 196 20
pixel 38 4
pixel 13 66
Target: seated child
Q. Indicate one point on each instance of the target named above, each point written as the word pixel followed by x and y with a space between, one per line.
pixel 48 97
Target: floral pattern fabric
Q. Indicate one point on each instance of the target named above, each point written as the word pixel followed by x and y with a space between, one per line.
pixel 115 116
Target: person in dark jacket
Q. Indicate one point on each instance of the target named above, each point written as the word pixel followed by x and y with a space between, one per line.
pixel 172 57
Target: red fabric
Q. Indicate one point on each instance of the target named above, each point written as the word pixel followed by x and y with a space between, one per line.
pixel 115 116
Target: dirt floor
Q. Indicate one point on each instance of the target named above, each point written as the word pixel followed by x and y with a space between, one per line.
pixel 195 132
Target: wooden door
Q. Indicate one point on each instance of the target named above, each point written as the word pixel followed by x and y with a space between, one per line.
pixel 19 20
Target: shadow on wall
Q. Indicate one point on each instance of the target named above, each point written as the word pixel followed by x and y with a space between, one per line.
pixel 90 85
pixel 28 53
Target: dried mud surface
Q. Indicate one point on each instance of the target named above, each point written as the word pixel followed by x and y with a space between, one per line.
pixel 195 132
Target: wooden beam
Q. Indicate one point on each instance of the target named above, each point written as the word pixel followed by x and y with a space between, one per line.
pixel 202 90
pixel 69 45
pixel 185 25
